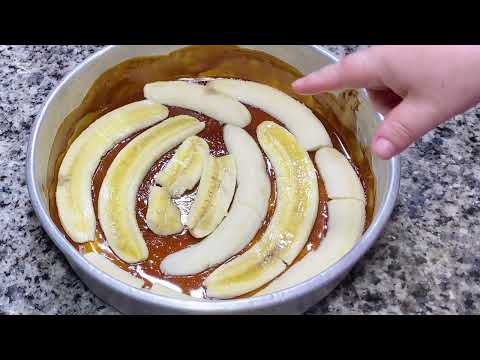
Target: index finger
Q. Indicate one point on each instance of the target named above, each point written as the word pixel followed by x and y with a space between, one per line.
pixel 358 70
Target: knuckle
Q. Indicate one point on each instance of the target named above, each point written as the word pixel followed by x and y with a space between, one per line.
pixel 348 63
pixel 358 67
pixel 401 132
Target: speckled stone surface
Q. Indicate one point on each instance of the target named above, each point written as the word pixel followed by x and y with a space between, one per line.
pixel 426 262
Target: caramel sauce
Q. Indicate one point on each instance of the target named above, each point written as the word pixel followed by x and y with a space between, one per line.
pixel 124 84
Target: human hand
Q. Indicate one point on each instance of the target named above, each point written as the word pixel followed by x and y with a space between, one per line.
pixel 416 88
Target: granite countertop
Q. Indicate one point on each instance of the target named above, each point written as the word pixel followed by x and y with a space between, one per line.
pixel 426 262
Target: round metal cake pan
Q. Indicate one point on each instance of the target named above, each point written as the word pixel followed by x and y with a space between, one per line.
pixel 128 300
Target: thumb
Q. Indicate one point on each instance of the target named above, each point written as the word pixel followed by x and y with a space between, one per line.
pixel 406 123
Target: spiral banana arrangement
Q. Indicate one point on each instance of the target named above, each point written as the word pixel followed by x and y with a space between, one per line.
pixel 233 192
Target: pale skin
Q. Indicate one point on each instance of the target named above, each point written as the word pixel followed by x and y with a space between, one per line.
pixel 416 88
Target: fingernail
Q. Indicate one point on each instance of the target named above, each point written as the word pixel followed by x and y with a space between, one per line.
pixel 384 148
pixel 298 83
pixel 300 86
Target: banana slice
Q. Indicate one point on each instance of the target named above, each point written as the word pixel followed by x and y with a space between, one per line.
pixel 116 203
pixel 214 195
pixel 346 222
pixel 74 189
pixel 340 179
pixel 108 267
pixel 298 118
pixel 163 216
pixel 199 98
pixel 290 226
pixel 245 217
pixel 183 171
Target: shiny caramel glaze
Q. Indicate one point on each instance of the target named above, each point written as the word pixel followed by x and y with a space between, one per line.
pixel 124 84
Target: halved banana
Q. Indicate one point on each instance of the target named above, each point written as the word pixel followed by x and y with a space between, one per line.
pixel 118 194
pixel 199 98
pixel 183 171
pixel 346 222
pixel 245 273
pixel 108 267
pixel 163 216
pixel 214 195
pixel 290 226
pixel 298 118
pixel 340 179
pixel 74 188
pixel 245 217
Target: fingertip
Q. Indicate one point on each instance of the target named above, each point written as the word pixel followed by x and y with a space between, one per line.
pixel 306 86
pixel 322 80
pixel 384 148
pixel 298 84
